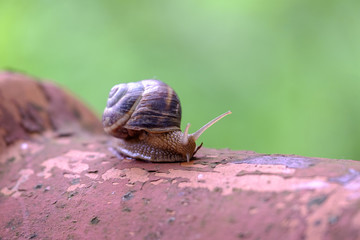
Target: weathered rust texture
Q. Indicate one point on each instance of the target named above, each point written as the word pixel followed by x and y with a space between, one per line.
pixel 73 187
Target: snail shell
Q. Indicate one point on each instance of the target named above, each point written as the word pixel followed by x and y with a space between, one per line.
pixel 148 105
pixel 145 116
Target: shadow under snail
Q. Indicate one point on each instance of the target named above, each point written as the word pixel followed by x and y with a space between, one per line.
pixel 145 116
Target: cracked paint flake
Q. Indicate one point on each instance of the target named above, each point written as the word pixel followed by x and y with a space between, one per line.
pixel 133 174
pixel 92 175
pixel 112 173
pixel 73 161
pixel 74 187
pixel 14 191
pixel 157 181
pixel 226 177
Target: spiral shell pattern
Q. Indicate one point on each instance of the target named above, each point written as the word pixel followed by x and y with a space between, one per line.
pixel 148 105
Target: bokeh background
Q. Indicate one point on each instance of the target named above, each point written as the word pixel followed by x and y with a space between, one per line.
pixel 288 69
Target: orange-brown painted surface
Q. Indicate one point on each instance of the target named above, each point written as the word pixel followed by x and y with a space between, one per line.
pixel 72 186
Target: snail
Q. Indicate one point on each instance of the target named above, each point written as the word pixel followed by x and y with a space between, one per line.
pixel 145 116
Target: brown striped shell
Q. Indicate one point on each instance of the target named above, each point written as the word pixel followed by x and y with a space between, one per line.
pixel 148 105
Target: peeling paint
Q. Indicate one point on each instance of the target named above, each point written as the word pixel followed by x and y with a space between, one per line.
pixel 92 175
pixel 14 191
pixel 133 174
pixel 74 187
pixel 290 162
pixel 192 164
pixel 112 173
pixel 157 182
pixel 73 162
pixel 226 178
pixel 314 203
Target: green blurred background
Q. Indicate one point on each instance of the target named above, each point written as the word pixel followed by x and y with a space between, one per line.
pixel 289 70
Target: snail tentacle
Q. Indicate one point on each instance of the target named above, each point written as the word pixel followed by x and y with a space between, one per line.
pixel 198 133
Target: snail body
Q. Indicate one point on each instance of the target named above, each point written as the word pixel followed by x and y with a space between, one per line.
pixel 145 116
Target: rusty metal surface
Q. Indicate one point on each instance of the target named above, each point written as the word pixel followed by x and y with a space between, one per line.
pixel 71 186
pixel 74 188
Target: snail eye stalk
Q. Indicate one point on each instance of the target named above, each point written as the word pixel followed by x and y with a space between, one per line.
pixel 198 133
